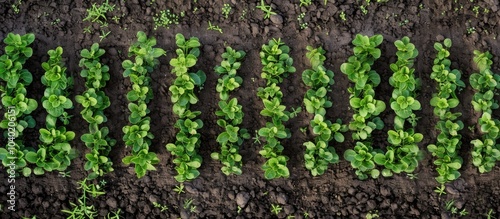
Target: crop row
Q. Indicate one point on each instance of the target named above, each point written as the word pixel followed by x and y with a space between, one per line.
pixel 402 154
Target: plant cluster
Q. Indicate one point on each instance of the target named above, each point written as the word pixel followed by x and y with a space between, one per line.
pixel 226 9
pixel 486 151
pixel 402 153
pixel 18 107
pixel 164 19
pixel 185 148
pixel 81 210
pixel 230 113
pixel 137 135
pixel 94 102
pixel 319 154
pixel 448 143
pixel 362 100
pixel 302 24
pixel 54 152
pixel 276 64
pixel 97 13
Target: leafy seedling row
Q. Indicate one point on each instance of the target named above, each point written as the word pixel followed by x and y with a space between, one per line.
pixel 277 64
pixel 137 134
pixel 319 154
pixel 185 149
pixel 230 113
pixel 18 107
pixel 94 101
pixel 446 149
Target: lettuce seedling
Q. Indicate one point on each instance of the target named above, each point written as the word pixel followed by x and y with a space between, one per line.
pixel 362 159
pixel 95 73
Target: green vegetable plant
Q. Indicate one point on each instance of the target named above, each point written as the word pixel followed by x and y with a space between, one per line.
pixel 446 149
pixel 402 153
pixel 319 154
pixel 277 64
pixel 17 106
pixel 486 150
pixel 137 134
pixel 362 100
pixel 230 113
pixel 55 151
pixel 185 149
pixel 94 102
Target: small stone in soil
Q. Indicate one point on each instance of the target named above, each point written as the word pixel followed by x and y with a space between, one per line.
pixel 282 199
pixel 452 191
pixel 242 199
pixel 276 19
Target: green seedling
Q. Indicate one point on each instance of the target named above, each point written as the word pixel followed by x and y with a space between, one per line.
pixel 440 190
pixel 160 206
pixel 276 209
pixel 267 9
pixel 97 13
pixel 305 3
pixel 214 27
pixel 165 19
pixel 226 9
pixel 179 188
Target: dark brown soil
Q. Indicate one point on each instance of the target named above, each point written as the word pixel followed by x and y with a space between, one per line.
pixel 337 193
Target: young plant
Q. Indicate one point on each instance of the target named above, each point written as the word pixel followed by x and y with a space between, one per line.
pixel 226 9
pixel 448 143
pixel 82 210
pixel 165 18
pixel 267 9
pixel 94 102
pixel 403 153
pixel 230 113
pixel 54 152
pixel 185 149
pixel 319 154
pixel 13 82
pixel 362 100
pixel 486 151
pixel 97 13
pixel 276 64
pixel 137 135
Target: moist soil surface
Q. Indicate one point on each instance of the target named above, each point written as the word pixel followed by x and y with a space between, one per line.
pixel 336 194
